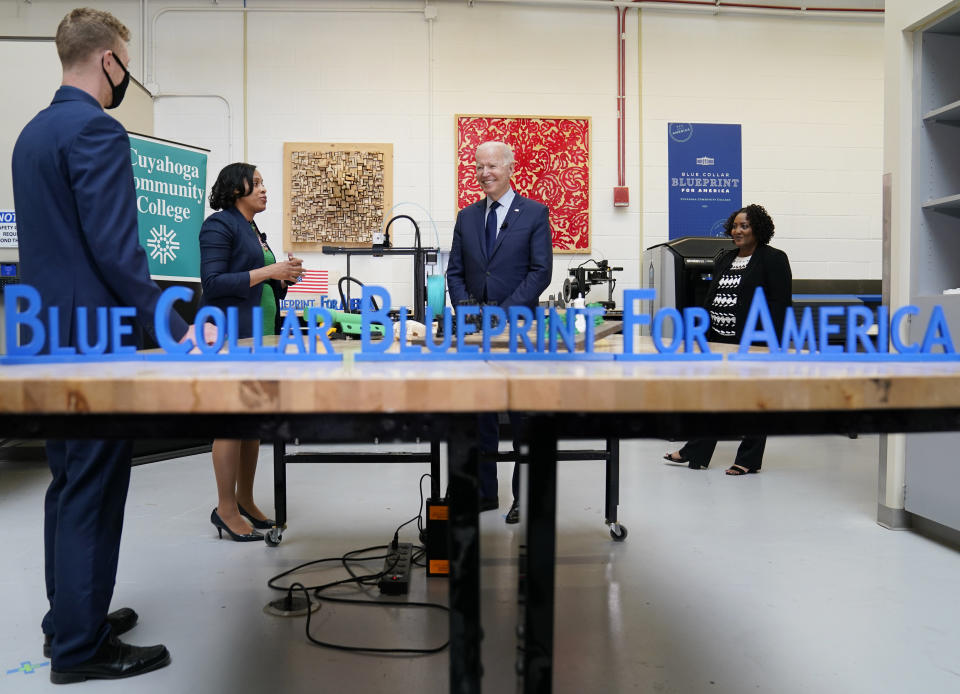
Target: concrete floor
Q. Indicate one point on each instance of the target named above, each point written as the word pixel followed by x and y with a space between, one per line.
pixel 779 582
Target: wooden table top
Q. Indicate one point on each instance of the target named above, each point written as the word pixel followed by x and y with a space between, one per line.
pixel 467 386
pixel 251 387
pixel 729 386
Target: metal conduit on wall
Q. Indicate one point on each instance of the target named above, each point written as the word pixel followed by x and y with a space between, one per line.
pixel 711 6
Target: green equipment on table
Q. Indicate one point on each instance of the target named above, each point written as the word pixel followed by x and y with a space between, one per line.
pixel 348 325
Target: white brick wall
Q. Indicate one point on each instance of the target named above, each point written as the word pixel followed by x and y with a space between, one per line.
pixel 808 93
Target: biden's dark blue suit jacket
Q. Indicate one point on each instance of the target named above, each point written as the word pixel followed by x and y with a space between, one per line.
pixel 76 212
pixel 515 274
pixel 520 266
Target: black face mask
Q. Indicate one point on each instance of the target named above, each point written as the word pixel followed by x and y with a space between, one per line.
pixel 118 90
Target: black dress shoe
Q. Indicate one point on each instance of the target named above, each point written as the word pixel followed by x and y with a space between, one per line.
pixel 221 526
pixel 489 504
pixel 114 660
pixel 264 524
pixel 513 515
pixel 121 621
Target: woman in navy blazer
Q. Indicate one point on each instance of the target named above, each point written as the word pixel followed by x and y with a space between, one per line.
pixel 238 269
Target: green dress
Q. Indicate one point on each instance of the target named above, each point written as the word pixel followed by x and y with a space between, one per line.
pixel 268 300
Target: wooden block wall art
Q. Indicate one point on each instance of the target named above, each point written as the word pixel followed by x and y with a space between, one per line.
pixel 336 194
pixel 552 166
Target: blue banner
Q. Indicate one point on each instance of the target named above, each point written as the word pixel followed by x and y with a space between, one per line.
pixel 705 169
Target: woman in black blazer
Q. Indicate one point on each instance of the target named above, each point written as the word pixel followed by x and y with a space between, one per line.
pixel 238 269
pixel 737 275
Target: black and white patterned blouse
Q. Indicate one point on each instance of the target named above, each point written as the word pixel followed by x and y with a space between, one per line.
pixel 723 318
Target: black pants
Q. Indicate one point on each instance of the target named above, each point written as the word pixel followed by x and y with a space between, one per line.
pixel 749 454
pixel 83 518
pixel 488 431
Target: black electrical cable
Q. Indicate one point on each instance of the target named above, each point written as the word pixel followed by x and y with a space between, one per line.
pixel 271 582
pixel 420 517
pixel 361 581
pixel 343 299
pixel 416 229
pixel 371 649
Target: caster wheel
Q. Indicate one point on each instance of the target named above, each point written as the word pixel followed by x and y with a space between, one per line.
pixel 272 537
pixel 618 532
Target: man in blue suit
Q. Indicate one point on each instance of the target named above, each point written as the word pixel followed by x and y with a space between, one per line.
pixel 76 212
pixel 502 253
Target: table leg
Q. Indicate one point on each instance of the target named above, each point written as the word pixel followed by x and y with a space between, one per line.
pixel 613 481
pixel 541 510
pixel 462 474
pixel 434 468
pixel 280 482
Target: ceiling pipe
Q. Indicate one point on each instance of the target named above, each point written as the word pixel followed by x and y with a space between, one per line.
pixel 800 8
pixel 143 41
pixel 621 96
pixel 713 6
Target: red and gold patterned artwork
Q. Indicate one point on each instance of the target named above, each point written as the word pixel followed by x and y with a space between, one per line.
pixel 552 166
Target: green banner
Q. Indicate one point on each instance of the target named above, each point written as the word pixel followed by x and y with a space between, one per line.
pixel 171 182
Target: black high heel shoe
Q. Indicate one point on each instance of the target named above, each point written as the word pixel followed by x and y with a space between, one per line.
pixel 264 524
pixel 221 526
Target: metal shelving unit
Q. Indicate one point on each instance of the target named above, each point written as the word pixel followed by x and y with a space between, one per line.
pixel 932 476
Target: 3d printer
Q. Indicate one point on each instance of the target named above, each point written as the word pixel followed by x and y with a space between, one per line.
pixel 583 277
pixel 422 255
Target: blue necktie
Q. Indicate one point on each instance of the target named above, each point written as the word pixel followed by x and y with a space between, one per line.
pixel 491 227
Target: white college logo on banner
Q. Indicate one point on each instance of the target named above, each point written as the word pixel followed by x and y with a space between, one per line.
pixel 163 244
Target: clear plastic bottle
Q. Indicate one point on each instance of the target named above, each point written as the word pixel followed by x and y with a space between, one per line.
pixel 580 321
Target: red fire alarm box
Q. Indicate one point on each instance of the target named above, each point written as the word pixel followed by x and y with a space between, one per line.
pixel 621 196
